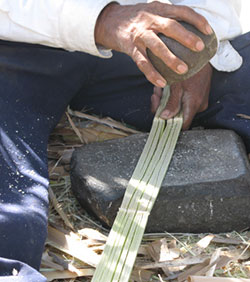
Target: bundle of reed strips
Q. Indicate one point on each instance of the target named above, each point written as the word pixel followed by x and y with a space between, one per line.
pixel 126 234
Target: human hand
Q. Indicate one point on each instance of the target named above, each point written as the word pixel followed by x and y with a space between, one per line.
pixel 191 95
pixel 132 29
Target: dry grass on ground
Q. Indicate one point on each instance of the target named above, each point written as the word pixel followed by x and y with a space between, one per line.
pixel 76 240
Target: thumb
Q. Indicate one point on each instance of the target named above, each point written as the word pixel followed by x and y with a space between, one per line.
pixel 189 111
pixel 174 103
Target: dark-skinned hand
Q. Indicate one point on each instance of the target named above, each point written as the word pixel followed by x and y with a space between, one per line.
pixel 190 95
pixel 133 28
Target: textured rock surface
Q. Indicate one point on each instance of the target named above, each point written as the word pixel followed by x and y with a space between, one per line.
pixel 206 189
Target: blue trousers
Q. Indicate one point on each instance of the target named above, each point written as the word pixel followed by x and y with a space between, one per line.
pixel 36 85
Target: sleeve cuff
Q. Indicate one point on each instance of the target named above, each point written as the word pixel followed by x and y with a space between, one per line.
pixel 77 26
pixel 227 58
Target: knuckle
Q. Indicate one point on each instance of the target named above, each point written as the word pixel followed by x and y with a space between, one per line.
pixel 157 47
pixel 187 10
pixel 155 5
pixel 190 39
pixel 141 64
pixel 142 14
pixel 171 25
pixel 137 38
pixel 173 62
pixel 150 76
pixel 202 20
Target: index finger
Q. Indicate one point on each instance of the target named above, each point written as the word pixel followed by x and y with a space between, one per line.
pixel 187 14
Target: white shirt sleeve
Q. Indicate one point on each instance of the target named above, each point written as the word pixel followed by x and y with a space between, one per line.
pixel 70 24
pixel 67 24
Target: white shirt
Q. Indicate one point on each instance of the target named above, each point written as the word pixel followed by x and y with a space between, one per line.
pixel 70 24
pixel 244 15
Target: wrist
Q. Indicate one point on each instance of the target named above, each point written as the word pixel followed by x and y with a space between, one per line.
pixel 102 26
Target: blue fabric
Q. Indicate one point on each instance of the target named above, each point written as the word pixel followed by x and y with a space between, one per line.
pixel 37 84
pixel 16 271
pixel 25 121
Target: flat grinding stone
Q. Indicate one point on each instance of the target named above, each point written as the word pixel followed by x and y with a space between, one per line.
pixel 206 189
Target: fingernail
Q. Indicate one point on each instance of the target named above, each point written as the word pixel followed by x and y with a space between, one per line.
pixel 209 29
pixel 182 68
pixel 165 114
pixel 161 83
pixel 199 45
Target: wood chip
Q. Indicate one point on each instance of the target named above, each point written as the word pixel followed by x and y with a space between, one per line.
pixel 177 262
pixel 59 260
pixel 202 268
pixel 47 261
pixel 159 252
pixel 220 262
pixel 227 241
pixel 243 116
pixel 72 246
pixel 141 275
pixel 66 274
pixel 92 234
pixel 192 270
pixel 200 246
pixel 214 258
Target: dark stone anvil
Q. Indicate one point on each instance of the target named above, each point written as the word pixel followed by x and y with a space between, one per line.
pixel 206 189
